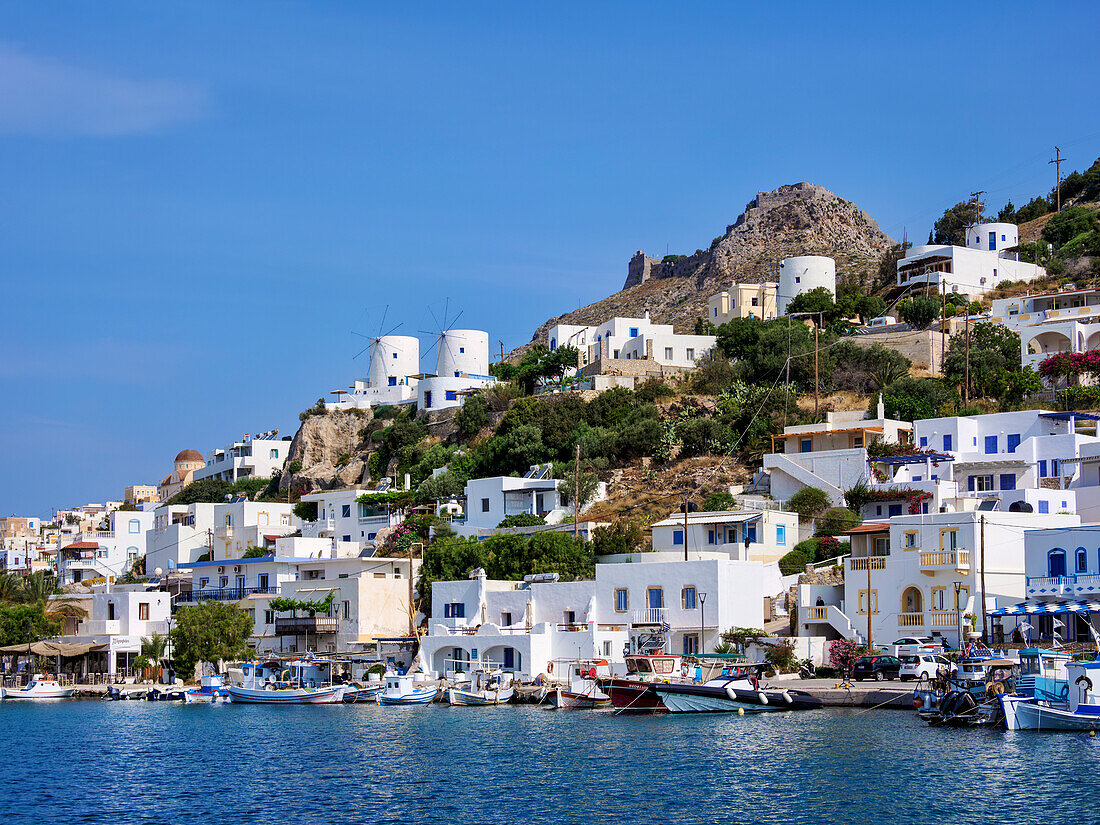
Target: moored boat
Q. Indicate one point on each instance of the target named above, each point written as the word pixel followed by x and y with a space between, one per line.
pixel 1081 711
pixel 736 689
pixel 278 682
pixel 487 687
pixel 582 690
pixel 401 690
pixel 39 687
pixel 211 690
pixel 633 693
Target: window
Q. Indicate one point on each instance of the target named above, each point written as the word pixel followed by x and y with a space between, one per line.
pixel 223 582
pixel 274 453
pixel 712 536
pixel 691 644
pixel 668 353
pixel 947 442
pixel 750 533
pixel 894 510
pixel 1013 442
pixel 261 581
pixel 949 539
pixel 1044 506
pixel 203 583
pixel 882 546
pixel 690 354
pixel 622 600
pixel 269 617
pixel 143 612
pixel 634 332
pixel 1008 481
pixel 345 511
pixel 570 616
pixel 939 598
pixel 110 611
pixel 347 537
pixel 863 602
pixel 1056 563
pixel 731 535
pixel 990 444
pixel 485 505
pixel 135 525
pixel 450 395
pixel 1042 468
pixel 806 445
pixel 924 441
pixel 391 381
pixel 687 597
pixel 505 619
pixel 755 302
pixel 677 536
pixel 394 356
pixel 454 610
pixel 716 312
pixel 655 598
pixel 347 610
pixel 462 350
pixel 781 534
pixel 1082 560
pixel 912 539
pixel 981 484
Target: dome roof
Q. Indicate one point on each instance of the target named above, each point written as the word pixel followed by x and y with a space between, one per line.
pixel 190 455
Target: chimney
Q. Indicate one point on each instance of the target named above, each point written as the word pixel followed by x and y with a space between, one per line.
pixel 881 407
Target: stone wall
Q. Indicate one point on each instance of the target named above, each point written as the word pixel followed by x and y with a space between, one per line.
pixel 923 347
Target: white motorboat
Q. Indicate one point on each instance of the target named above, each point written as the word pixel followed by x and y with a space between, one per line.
pixel 210 691
pixel 487 687
pixel 400 690
pixel 1080 713
pixel 582 691
pixel 39 687
pixel 293 682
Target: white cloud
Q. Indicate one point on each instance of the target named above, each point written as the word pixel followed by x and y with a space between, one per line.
pixel 42 96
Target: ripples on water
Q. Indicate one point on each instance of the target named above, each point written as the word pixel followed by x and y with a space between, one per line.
pixel 73 762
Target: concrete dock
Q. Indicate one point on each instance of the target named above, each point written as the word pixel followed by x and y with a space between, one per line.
pixel 857 695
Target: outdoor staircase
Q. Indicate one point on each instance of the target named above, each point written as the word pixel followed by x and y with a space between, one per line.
pixel 832 615
pixel 780 462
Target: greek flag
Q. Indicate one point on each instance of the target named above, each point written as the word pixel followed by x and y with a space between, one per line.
pixel 665 627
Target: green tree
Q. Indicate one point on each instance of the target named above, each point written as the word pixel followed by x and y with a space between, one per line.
pixel 809 501
pixel 1068 224
pixel 472 416
pixel 624 535
pixel 448 484
pixel 210 632
pixel 919 312
pixel 20 623
pixel 153 650
pixel 951 228
pixel 836 520
pixel 870 306
pixel 306 510
pixel 819 299
pixel 911 399
pixel 256 553
pixel 994 358
pixel 1035 208
pixel 588 482
pixel 522 520
pixel 718 502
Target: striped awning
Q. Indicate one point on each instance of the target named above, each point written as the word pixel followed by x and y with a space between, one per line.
pixel 1033 608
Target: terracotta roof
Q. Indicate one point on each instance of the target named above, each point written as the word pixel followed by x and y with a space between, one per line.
pixel 190 455
pixel 82 545
pixel 874 527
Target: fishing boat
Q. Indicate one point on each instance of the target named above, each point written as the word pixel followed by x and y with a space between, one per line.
pixel 962 701
pixel 1043 675
pixel 736 689
pixel 1081 711
pixel 581 689
pixel 279 682
pixel 487 687
pixel 633 693
pixel 357 693
pixel 39 687
pixel 401 690
pixel 211 690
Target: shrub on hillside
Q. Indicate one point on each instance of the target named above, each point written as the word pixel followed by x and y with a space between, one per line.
pixel 809 501
pixel 836 520
pixel 522 520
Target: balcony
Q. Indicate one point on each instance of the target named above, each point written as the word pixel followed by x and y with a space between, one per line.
pixel 943 618
pixel 302 625
pixel 223 594
pixel 876 562
pixel 314 529
pixel 911 620
pixel 101 627
pixel 649 615
pixel 1082 584
pixel 938 561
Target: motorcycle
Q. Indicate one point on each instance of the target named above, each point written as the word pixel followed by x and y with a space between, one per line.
pixel 807 669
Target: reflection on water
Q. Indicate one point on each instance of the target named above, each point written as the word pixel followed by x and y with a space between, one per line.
pixel 138 761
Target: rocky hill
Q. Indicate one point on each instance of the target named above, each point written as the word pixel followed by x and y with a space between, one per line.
pixel 796 219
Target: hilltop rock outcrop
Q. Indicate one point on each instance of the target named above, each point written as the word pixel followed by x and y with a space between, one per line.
pixel 328 451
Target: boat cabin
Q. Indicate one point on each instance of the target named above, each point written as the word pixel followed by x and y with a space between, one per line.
pixel 1043 674
pixel 641 666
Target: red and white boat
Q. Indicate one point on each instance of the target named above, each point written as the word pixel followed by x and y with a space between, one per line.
pixel 634 692
pixel 582 690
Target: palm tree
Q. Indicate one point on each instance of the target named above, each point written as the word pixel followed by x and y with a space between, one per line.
pixel 38 587
pixel 153 649
pixel 11 588
pixel 63 609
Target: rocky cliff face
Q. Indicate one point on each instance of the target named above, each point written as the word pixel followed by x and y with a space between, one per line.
pixel 331 450
pixel 797 219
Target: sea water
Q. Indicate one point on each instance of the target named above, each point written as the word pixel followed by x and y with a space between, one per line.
pixel 122 762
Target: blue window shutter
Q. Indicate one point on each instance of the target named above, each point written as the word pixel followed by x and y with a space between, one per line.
pixel 1042 468
pixel 947 442
pixel 1044 506
pixel 677 536
pixel 1013 442
pixel 895 510
pixel 710 537
pixel 1008 481
pixel 924 441
pixel 970 483
pixel 990 444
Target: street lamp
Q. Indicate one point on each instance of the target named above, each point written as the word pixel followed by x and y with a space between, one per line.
pixel 702 605
pixel 958 615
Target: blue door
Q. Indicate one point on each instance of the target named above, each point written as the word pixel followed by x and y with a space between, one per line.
pixel 1013 442
pixel 509 658
pixel 1057 564
pixel 992 241
pixel 656 598
pixel 947 442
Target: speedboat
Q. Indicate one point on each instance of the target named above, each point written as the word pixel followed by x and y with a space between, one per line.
pixel 278 682
pixel 487 687
pixel 736 690
pixel 211 690
pixel 38 688
pixel 400 690
pixel 582 691
pixel 634 693
pixel 1081 711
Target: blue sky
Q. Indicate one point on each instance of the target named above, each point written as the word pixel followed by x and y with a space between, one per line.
pixel 200 203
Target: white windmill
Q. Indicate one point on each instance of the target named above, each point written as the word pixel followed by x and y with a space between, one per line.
pixel 392 358
pixel 458 351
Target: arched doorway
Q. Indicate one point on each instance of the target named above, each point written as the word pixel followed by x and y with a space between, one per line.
pixel 912 601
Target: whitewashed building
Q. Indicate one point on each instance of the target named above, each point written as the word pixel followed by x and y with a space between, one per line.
pixel 970 270
pixel 342 518
pixel 97 554
pixel 1062 565
pixel 251 458
pixel 763 535
pixel 743 301
pixel 490 500
pixel 118 617
pixel 1051 322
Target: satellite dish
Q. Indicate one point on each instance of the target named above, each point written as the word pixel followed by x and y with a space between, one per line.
pixel 157 571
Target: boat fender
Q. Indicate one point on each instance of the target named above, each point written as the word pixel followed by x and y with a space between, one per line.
pixel 549 667
pixel 732 694
pixel 592 673
pixel 763 697
pixel 284 676
pixel 684 670
pixel 997 688
pixel 1063 694
pixel 787 697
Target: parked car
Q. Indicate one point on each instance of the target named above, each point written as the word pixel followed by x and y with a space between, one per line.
pixel 877 667
pixel 915 665
pixel 916 644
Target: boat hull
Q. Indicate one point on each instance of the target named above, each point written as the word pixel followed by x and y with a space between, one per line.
pixel 1022 713
pixel 633 696
pixel 465 698
pixel 288 696
pixel 567 700
pixel 41 693
pixel 419 697
pixel 700 699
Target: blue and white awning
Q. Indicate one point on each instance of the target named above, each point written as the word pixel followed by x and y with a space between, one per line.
pixel 1031 608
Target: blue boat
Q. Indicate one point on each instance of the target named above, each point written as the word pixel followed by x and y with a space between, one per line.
pixel 400 690
pixel 1080 711
pixel 1043 675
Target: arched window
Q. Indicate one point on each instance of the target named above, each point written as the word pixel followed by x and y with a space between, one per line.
pixel 135 525
pixel 1056 563
pixel 1082 561
pixel 912 601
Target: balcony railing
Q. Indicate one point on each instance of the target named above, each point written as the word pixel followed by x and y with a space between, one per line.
pixel 911 620
pixel 302 625
pixel 816 614
pixel 313 529
pixel 1079 584
pixel 934 560
pixel 943 618
pixel 650 615
pixel 223 594
pixel 876 562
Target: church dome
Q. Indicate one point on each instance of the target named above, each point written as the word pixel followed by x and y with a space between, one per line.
pixel 189 455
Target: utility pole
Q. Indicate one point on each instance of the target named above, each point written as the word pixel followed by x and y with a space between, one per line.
pixel 943 324
pixel 977 205
pixel 870 638
pixel 966 377
pixel 817 328
pixel 787 394
pixel 1057 176
pixel 413 630
pixel 577 492
pixel 984 619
